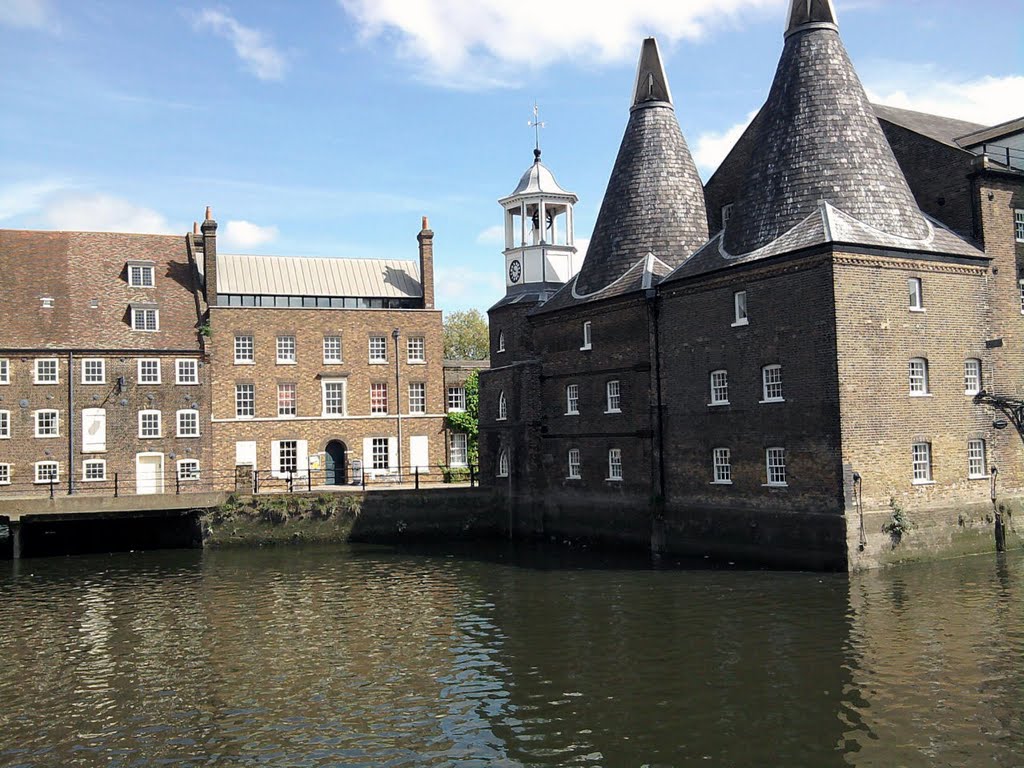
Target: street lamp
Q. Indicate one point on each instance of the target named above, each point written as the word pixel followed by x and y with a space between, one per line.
pixel 398 404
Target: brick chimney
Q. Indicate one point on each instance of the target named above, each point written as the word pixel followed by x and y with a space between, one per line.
pixel 209 228
pixel 426 240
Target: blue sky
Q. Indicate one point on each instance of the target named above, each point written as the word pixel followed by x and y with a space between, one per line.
pixel 329 127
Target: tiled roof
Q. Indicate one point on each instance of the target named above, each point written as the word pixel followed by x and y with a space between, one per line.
pixel 944 130
pixel 644 274
pixel 306 276
pixel 78 269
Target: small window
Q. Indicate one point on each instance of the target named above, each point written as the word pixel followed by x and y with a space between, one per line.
pixel 456 398
pixel 380 453
pixel 334 396
pixel 771 381
pixel 149 371
pixel 47 302
pixel 186 372
pixel 613 400
pixel 921 454
pixel 416 348
pixel 1018 224
pixel 417 397
pixel 94 470
pixel 726 215
pixel 916 298
pixel 332 349
pixel 47 472
pixel 378 349
pixel 5 474
pixel 47 423
pixel 739 306
pixel 46 371
pixel 719 388
pixel 379 397
pixel 141 276
pixel 503 463
pixel 145 319
pixel 572 400
pixel 287 457
pixel 722 461
pixel 574 464
pixel 188 470
pixel 615 464
pixel 285 350
pixel 972 376
pixel 501 341
pixel 245 401
pixel 918 376
pixel 150 424
pixel 587 339
pixel 5 424
pixel 244 349
pixel 458 455
pixel 502 407
pixel 5 371
pixel 775 461
pixel 188 422
pixel 976 459
pixel 286 399
pixel 94 371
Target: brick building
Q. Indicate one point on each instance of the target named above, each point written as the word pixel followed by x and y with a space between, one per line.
pixel 779 390
pixel 103 374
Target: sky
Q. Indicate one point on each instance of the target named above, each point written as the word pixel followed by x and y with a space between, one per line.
pixel 329 127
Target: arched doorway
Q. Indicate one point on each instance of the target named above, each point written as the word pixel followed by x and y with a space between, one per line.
pixel 336 465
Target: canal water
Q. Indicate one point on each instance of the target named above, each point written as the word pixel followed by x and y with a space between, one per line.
pixel 368 656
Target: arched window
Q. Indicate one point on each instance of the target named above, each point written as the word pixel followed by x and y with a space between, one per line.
pixel 918 376
pixel 502 407
pixel 501 341
pixel 503 463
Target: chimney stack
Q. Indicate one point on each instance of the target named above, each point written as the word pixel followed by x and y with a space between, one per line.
pixel 209 229
pixel 426 240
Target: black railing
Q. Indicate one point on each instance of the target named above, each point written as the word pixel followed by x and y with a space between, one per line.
pixel 1011 157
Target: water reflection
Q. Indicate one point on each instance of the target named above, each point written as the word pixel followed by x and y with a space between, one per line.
pixel 367 656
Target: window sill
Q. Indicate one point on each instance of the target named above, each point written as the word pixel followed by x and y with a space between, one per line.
pixel 971 392
pixel 92 383
pixel 55 481
pixel 721 482
pixel 979 477
pixel 245 362
pixel 456 410
pixel 47 437
pixel 322 415
pixel 588 348
pixel 718 405
pixel 740 323
pixel 920 394
pixel 148 383
pixel 45 383
pixel 415 362
pixel 613 479
pixel 504 477
pixel 187 437
pixel 613 410
pixel 186 383
pixel 146 330
pixel 917 309
pixel 775 485
pixel 772 400
pixel 505 419
pixel 922 482
pixel 94 451
pixel 573 413
pixel 150 437
pixel 287 362
pixel 334 362
pixel 244 416
pixel 574 477
pixel 378 362
pixel 93 480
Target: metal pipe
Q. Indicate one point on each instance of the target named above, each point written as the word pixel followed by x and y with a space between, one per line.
pixel 71 423
pixel 398 404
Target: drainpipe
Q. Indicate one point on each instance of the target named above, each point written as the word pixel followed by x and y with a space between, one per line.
pixel 71 423
pixel 398 404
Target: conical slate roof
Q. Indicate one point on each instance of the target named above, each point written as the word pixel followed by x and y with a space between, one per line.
pixel 819 140
pixel 654 202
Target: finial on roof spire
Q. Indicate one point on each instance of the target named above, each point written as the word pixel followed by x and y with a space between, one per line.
pixel 651 83
pixel 811 12
pixel 536 124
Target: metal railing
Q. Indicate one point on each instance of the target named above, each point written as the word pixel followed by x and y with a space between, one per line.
pixel 1008 156
pixel 415 477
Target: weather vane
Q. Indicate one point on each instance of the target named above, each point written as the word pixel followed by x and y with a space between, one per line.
pixel 537 124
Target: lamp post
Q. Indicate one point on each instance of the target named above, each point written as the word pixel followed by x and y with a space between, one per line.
pixel 398 404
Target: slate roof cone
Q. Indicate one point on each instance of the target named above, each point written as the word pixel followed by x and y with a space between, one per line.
pixel 654 202
pixel 819 140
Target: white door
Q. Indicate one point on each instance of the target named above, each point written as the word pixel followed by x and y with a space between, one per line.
pixel 149 473
pixel 419 453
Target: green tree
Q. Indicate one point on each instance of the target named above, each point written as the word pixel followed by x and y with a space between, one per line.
pixel 465 335
pixel 468 421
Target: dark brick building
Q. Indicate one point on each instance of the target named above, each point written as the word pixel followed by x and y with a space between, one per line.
pixel 785 389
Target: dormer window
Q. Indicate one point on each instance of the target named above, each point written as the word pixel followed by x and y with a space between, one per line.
pixel 145 317
pixel 141 274
pixel 501 341
pixel 726 215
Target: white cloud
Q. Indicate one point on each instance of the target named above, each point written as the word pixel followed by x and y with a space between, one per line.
pixel 21 198
pixel 251 45
pixel 28 14
pixel 492 236
pixel 462 288
pixel 242 234
pixel 95 212
pixel 711 147
pixel 458 44
pixel 987 100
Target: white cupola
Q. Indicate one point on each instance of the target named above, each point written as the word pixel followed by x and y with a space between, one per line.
pixel 539 246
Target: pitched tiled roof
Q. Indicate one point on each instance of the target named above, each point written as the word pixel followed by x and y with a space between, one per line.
pixel 79 269
pixel 306 276
pixel 944 130
pixel 644 274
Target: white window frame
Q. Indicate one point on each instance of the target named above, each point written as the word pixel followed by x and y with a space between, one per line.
pixel 375 408
pixel 501 341
pixel 286 471
pixel 574 467
pixel 5 371
pixel 416 350
pixel 178 418
pixel 915 294
pixel 330 342
pixel 614 465
pixel 144 416
pixel 141 364
pixel 36 415
pixel 378 356
pixel 456 395
pixel 462 451
pixel 771 382
pixel 47 302
pixel 184 363
pixel 286 350
pixel 1018 224
pixel 775 467
pixel 977 457
pixel 588 336
pixel 721 462
pixel 143 269
pixel 572 400
pixel 917 368
pixel 146 314
pixel 288 408
pixel 249 401
pixel 36 379
pixel 245 349
pixel 86 373
pixel 972 376
pixel 739 309
pixel 102 463
pixel 417 398
pixel 5 474
pixel 190 475
pixel 921 464
pixel 503 463
pixel 726 214
pixel 380 454
pixel 613 396
pixel 502 406
pixel 37 474
pixel 719 387
pixel 5 425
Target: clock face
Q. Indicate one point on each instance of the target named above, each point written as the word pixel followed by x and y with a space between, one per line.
pixel 515 271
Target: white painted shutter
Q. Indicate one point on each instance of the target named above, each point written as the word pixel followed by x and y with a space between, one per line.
pixel 275 458
pixel 245 453
pixel 367 454
pixel 419 453
pixel 94 430
pixel 302 457
pixel 392 453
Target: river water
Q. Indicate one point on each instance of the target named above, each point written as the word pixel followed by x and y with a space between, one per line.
pixel 368 656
